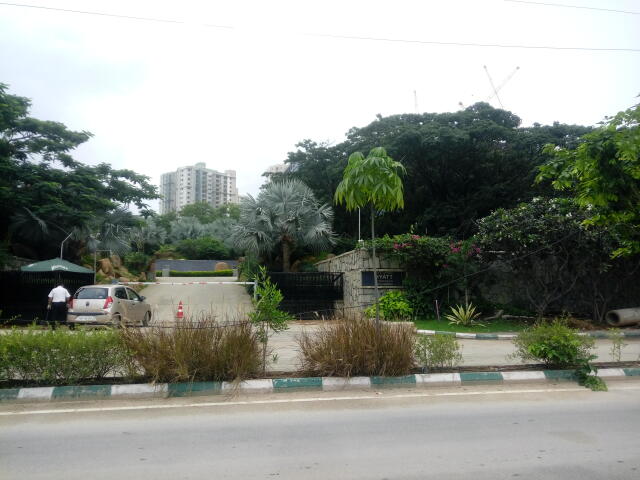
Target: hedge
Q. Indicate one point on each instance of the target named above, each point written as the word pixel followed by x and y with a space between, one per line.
pixel 218 273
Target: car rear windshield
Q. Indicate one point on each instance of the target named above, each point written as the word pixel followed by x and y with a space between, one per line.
pixel 93 292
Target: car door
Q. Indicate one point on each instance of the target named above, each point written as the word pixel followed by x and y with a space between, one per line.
pixel 136 305
pixel 122 304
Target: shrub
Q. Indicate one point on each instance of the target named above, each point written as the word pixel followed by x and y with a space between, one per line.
pixel 437 351
pixel 136 261
pixel 199 350
pixel 554 344
pixel 203 248
pixel 59 357
pixel 207 273
pixel 355 346
pixel 393 306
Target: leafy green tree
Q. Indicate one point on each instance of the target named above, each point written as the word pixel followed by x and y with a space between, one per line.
pixel 185 227
pixel 603 171
pixel 41 183
pixel 460 167
pixel 284 214
pixel 372 181
pixel 204 212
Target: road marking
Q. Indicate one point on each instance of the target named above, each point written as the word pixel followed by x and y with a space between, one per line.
pixel 376 396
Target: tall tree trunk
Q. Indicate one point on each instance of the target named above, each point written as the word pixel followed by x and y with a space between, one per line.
pixel 375 271
pixel 286 255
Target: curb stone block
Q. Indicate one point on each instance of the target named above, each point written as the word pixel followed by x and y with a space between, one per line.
pixel 486 336
pixel 610 372
pixel 286 383
pixel 197 388
pixel 340 383
pixel 139 389
pixel 561 375
pixel 85 391
pixel 36 393
pixel 523 376
pixel 438 379
pixel 9 393
pixel 475 377
pixel 632 372
pixel 405 380
pixel 260 385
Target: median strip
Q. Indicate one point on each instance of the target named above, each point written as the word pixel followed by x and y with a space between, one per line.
pixel 267 385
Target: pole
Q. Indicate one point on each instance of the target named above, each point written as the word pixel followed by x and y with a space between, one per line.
pixel 62 244
pixel 375 273
pixel 359 236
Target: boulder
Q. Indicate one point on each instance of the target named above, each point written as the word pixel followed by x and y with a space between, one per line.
pixel 116 261
pixel 222 266
pixel 105 266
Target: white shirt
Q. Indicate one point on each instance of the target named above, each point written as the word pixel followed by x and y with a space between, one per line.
pixel 59 294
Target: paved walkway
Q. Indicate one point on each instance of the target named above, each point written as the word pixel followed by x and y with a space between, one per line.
pixel 474 352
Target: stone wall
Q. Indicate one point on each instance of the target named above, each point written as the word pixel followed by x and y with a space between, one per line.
pixel 356 296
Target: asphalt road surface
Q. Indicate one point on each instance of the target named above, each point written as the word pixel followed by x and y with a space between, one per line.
pixel 542 432
pixel 223 301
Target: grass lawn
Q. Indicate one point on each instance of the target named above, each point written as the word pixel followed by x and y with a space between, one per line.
pixel 490 326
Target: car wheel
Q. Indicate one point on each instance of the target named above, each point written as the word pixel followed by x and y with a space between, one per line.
pixel 146 319
pixel 117 321
pixel 72 326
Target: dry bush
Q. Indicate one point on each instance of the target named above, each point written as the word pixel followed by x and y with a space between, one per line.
pixel 198 350
pixel 354 346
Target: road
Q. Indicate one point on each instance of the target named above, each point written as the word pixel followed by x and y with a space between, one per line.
pixel 225 302
pixel 562 432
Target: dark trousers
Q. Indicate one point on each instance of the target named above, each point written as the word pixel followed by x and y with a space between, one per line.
pixel 58 313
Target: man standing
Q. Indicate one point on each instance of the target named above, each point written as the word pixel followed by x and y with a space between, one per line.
pixel 58 298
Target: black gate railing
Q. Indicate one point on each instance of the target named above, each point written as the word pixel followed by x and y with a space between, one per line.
pixel 308 295
pixel 23 295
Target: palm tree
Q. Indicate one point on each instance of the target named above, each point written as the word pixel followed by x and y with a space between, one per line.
pixel 284 214
pixel 373 181
pixel 184 228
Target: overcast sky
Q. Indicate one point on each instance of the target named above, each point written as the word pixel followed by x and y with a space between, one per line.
pixel 237 84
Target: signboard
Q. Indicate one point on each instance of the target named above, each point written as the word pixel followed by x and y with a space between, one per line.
pixel 385 279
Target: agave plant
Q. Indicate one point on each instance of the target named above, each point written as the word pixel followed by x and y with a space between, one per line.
pixel 464 315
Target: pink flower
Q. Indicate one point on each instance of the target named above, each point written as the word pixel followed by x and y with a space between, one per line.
pixel 445 265
pixel 396 246
pixel 415 237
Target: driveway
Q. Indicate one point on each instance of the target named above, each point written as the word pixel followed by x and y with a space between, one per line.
pixel 219 297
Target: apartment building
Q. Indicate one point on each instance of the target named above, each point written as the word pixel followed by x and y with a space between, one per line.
pixel 195 184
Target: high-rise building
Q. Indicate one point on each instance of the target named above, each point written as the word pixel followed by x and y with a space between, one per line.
pixel 195 184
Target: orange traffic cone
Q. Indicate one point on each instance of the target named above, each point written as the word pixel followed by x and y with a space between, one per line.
pixel 180 313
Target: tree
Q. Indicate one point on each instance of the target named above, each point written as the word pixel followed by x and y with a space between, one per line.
pixel 603 171
pixel 284 214
pixel 374 181
pixel 203 248
pixel 460 167
pixel 204 212
pixel 38 174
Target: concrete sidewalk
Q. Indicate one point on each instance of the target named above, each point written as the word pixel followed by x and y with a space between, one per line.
pixel 474 352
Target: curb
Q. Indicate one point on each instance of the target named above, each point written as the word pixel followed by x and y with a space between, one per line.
pixel 511 336
pixel 169 390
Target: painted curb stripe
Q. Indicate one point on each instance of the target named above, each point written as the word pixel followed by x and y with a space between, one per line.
pixel 283 384
pixel 139 389
pixel 610 372
pixel 338 383
pixel 286 383
pixel 9 393
pixel 261 385
pixel 560 375
pixel 37 393
pixel 472 377
pixel 196 388
pixel 407 379
pixel 87 391
pixel 438 378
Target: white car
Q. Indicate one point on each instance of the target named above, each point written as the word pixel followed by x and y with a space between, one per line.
pixel 108 304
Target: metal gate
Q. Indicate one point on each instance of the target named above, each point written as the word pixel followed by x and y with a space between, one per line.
pixel 308 295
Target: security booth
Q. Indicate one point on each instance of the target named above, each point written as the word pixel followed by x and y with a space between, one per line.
pixel 23 293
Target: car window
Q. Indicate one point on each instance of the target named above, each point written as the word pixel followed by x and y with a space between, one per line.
pixel 91 293
pixel 120 293
pixel 133 295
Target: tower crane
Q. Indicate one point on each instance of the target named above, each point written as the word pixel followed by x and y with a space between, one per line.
pixel 499 87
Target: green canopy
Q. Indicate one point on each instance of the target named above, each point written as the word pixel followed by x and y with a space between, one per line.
pixel 55 265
